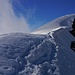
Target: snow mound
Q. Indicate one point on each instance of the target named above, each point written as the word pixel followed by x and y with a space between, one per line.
pixel 27 54
pixel 61 22
pixel 39 54
pixel 24 54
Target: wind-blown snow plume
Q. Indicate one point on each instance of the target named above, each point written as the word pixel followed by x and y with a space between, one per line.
pixel 9 22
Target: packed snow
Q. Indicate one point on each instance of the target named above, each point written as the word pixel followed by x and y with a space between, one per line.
pixel 45 52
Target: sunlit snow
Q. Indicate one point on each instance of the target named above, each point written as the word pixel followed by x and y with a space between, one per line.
pixel 38 53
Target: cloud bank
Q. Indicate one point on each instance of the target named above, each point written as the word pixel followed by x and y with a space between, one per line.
pixel 9 22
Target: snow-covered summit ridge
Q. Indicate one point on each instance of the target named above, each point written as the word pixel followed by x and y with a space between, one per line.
pixel 61 22
pixel 34 54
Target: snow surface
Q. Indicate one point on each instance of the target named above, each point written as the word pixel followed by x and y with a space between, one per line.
pixel 61 22
pixel 39 54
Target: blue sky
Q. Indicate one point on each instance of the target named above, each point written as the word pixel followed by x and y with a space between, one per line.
pixel 39 12
pixel 28 15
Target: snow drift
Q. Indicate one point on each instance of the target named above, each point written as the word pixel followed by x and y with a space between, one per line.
pixel 46 52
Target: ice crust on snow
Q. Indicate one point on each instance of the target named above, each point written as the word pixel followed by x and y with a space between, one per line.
pixel 38 53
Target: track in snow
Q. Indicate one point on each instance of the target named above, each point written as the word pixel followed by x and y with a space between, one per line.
pixel 53 55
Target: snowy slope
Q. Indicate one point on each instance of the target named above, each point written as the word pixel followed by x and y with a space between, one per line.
pixel 15 50
pixel 65 55
pixel 58 30
pixel 61 22
pixel 39 53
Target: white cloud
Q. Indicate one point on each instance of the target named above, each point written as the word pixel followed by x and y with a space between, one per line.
pixel 9 22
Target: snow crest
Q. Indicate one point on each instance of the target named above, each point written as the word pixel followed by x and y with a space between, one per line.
pixel 61 22
pixel 41 54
